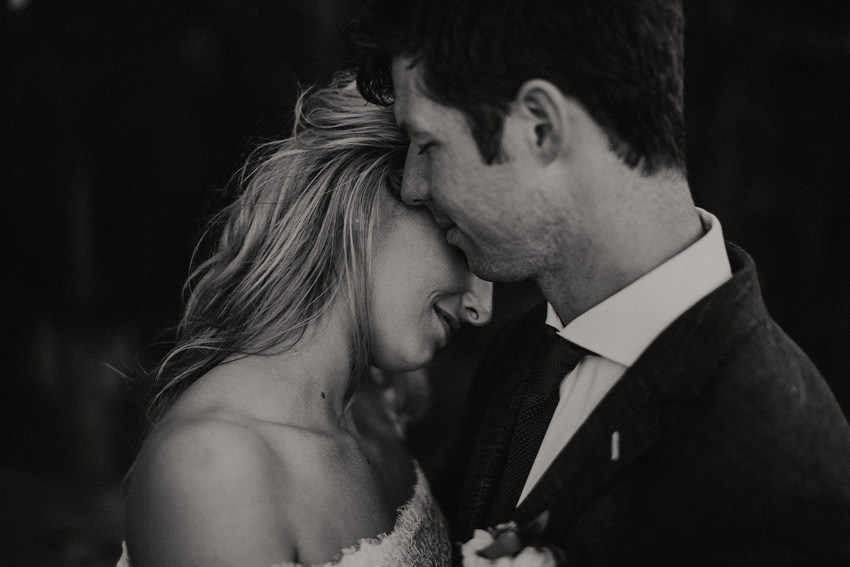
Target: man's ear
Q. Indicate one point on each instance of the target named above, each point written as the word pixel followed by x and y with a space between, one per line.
pixel 545 114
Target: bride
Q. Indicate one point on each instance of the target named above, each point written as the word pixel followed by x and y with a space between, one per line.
pixel 270 443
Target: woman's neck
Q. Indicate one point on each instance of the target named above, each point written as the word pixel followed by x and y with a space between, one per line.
pixel 304 385
pixel 316 371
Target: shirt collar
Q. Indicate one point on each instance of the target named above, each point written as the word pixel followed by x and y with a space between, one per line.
pixel 622 326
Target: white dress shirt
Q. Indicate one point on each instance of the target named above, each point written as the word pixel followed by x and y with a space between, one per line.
pixel 621 327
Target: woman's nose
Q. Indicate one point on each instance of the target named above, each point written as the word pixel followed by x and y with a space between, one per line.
pixel 477 302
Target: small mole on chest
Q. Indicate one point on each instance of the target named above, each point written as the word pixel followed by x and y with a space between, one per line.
pixel 323 395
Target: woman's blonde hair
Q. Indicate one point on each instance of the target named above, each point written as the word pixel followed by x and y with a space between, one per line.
pixel 298 237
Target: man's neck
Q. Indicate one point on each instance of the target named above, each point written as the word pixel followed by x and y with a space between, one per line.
pixel 635 238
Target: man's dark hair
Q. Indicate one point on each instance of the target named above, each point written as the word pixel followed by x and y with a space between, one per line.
pixel 620 59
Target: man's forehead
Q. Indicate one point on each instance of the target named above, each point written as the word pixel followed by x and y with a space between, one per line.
pixel 414 110
pixel 405 70
pixel 406 83
pixel 401 118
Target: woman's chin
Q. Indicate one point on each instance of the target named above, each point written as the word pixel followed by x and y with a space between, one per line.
pixel 414 356
pixel 407 364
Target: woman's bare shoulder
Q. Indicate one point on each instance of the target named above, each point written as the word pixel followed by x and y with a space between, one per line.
pixel 194 448
pixel 207 485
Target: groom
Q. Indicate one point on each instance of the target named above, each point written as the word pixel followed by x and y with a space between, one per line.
pixel 650 406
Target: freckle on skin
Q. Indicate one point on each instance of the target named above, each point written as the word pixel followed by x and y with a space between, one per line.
pixel 323 395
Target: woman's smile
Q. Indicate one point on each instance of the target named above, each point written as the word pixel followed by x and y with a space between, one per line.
pixel 450 324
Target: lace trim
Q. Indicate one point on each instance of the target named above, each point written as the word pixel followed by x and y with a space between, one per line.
pixel 419 536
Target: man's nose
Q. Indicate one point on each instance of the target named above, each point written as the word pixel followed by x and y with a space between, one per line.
pixel 477 302
pixel 414 186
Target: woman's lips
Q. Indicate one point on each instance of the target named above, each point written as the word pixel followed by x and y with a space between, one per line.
pixel 452 234
pixel 450 324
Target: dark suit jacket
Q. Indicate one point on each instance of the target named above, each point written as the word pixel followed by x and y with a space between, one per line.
pixel 732 448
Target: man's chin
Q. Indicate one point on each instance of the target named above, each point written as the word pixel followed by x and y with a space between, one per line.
pixel 494 272
pixel 485 270
pixel 480 264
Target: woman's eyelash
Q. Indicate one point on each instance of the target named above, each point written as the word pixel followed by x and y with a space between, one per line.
pixel 424 147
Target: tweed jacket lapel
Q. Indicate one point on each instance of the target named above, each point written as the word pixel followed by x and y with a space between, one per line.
pixel 511 359
pixel 623 427
pixel 626 424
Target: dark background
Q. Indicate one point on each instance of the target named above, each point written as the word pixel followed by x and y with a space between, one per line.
pixel 121 121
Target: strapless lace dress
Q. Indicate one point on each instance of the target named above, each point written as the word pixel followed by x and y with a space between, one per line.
pixel 419 538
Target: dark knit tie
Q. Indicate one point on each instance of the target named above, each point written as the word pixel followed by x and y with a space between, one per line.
pixel 556 357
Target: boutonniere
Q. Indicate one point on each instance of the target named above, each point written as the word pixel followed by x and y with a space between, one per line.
pixel 508 545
